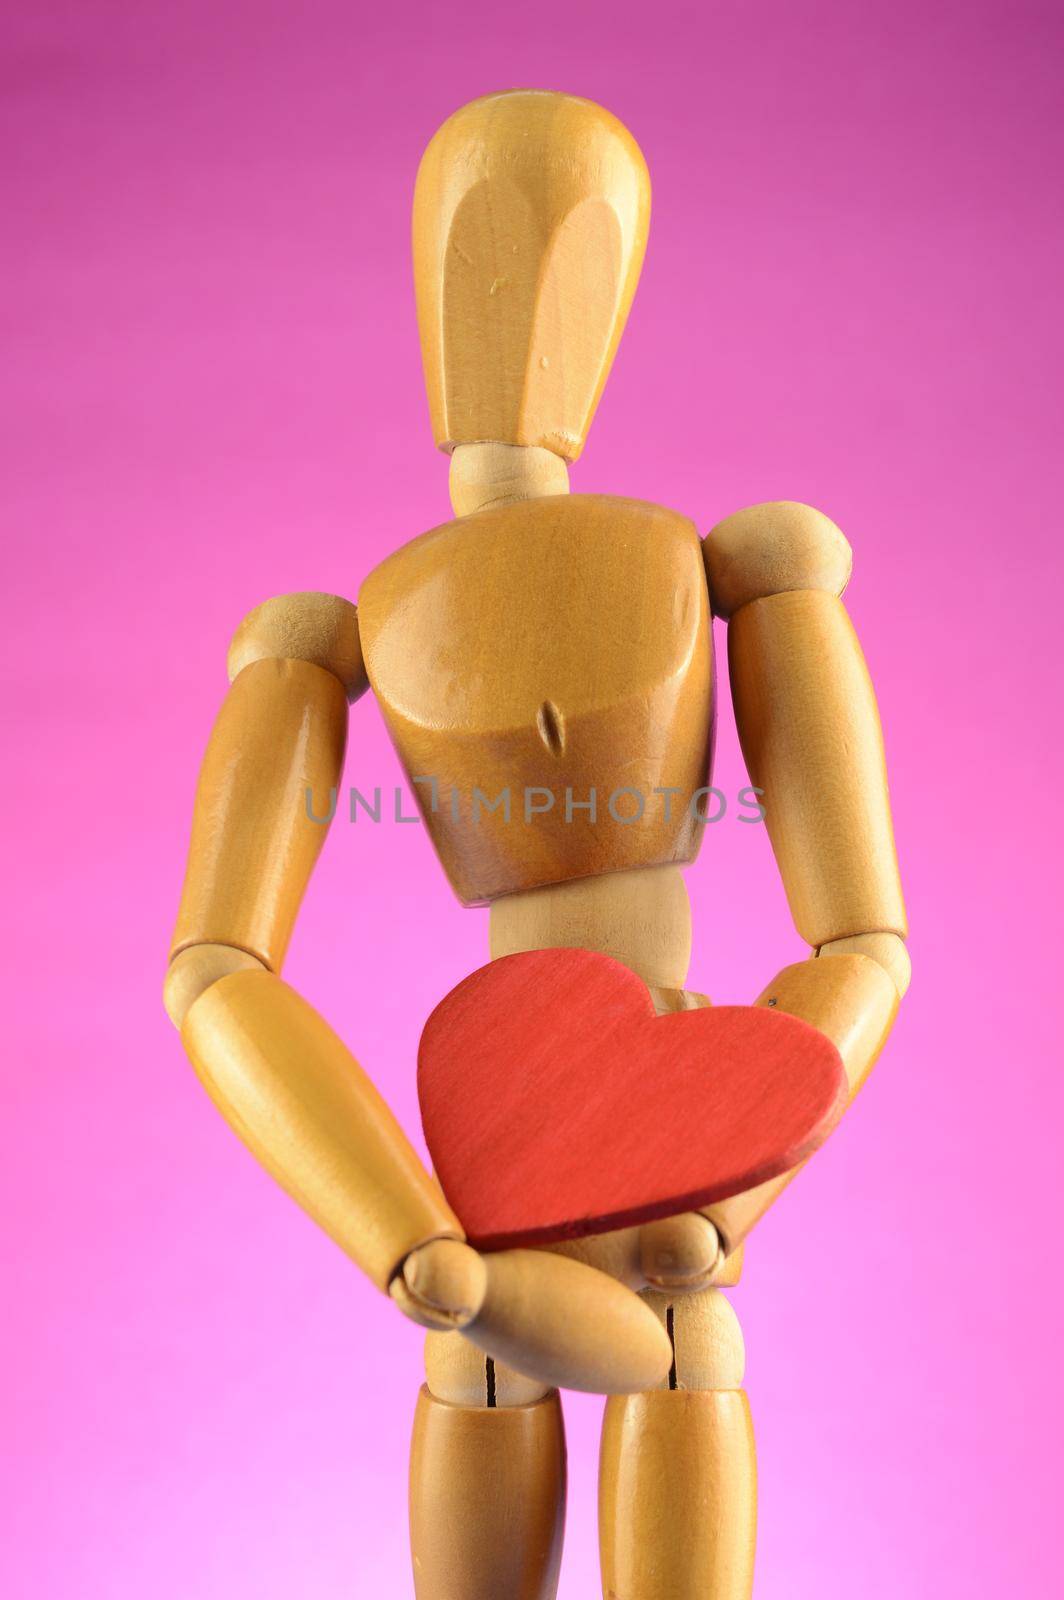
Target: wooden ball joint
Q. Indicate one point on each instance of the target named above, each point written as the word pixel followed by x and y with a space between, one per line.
pixel 557 645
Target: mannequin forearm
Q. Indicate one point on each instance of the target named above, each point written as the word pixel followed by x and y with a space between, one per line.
pixel 852 1000
pixel 302 1104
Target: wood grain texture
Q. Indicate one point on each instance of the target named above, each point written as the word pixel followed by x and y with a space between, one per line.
pixel 854 1005
pixel 487 1500
pixel 731 1272
pixel 456 1371
pixel 531 213
pixel 281 731
pixel 547 649
pixel 319 628
pixel 617 1253
pixel 674 1251
pixel 886 949
pixel 484 476
pixel 567 1325
pixel 772 548
pixel 303 1106
pixel 678 1496
pixel 680 1253
pixel 195 969
pixel 810 733
pixel 852 1001
pixel 556 1321
pixel 442 1284
pixel 708 1348
pixel 666 1001
pixel 641 918
pixel 556 1103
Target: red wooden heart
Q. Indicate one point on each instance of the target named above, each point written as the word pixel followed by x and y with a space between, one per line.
pixel 556 1103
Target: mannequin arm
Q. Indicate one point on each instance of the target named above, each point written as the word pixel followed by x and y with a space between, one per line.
pixel 810 734
pixel 281 1077
pixel 275 1070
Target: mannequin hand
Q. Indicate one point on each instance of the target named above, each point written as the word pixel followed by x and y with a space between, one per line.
pixel 680 1254
pixel 547 1316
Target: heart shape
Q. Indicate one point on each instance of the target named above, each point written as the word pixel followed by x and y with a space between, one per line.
pixel 556 1103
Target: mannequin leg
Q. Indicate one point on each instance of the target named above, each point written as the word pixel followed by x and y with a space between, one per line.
pixel 487 1479
pixel 677 1480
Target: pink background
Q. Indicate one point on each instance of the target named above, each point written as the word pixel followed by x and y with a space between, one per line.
pixel 852 297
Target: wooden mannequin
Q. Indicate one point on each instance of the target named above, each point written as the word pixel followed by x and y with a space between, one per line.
pixel 550 642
